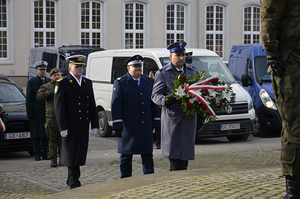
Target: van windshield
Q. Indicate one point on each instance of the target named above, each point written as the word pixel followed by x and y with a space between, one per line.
pixel 212 65
pixel 261 68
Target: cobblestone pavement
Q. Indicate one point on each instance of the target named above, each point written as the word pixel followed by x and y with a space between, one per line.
pixel 230 174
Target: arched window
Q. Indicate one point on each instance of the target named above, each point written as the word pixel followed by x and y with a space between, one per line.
pixel 3 29
pixel 214 30
pixel 91 23
pixel 134 25
pixel 44 26
pixel 175 23
pixel 251 25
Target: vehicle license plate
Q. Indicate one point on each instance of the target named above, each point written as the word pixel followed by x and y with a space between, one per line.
pixel 12 136
pixel 225 127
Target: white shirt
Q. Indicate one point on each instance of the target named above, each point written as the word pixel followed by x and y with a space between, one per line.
pixel 78 80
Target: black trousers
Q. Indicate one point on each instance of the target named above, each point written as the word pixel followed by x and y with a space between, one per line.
pixel 73 177
pixel 40 147
pixel 126 164
pixel 177 164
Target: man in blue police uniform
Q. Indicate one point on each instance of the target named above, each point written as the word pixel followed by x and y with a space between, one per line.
pixel 75 108
pixel 134 116
pixel 36 112
pixel 178 130
pixel 189 58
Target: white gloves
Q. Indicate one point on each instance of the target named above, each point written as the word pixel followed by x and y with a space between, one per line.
pixel 94 131
pixel 64 133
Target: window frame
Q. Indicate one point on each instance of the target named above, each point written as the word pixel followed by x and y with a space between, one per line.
pixel 90 31
pixel 251 33
pixel 44 30
pixel 173 32
pixel 9 59
pixel 135 31
pixel 214 32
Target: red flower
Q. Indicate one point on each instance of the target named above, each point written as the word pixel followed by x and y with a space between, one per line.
pixel 220 105
pixel 182 78
pixel 189 105
pixel 215 81
pixel 204 107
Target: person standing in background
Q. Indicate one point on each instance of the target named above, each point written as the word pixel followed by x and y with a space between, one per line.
pixel 75 109
pixel 280 34
pixel 36 112
pixel 46 93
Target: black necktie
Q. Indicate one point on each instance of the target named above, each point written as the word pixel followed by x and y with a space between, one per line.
pixel 137 81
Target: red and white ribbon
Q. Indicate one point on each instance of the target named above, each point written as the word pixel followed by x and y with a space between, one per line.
pixel 2 125
pixel 200 86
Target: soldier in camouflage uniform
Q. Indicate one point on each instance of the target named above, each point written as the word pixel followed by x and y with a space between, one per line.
pixel 280 33
pixel 46 92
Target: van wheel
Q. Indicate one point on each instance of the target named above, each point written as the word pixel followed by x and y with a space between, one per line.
pixel 233 138
pixel 104 129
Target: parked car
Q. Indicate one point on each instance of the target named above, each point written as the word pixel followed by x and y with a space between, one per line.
pixel 16 137
pixel 4 77
pixel 237 123
pixel 248 64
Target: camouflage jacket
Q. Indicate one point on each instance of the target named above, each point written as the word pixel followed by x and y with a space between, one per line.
pixel 46 92
pixel 280 23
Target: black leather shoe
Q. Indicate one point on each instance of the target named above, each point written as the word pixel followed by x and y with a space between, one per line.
pixel 53 163
pixel 37 158
pixel 46 158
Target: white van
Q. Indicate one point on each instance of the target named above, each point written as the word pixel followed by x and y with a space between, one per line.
pixel 104 67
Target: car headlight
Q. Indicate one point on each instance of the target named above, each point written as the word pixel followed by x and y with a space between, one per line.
pixel 266 100
pixel 250 104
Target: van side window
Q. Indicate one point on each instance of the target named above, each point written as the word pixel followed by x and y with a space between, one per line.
pixel 118 68
pixel 149 65
pixel 51 59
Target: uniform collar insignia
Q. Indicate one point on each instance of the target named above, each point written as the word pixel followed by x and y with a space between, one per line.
pixel 71 80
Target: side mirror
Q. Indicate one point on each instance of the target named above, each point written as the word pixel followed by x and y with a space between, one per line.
pixel 246 80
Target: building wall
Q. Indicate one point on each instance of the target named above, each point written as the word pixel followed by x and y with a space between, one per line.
pixel 68 27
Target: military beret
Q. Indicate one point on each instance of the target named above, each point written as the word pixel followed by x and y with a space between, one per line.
pixel 77 59
pixel 41 65
pixel 54 71
pixel 136 60
pixel 177 47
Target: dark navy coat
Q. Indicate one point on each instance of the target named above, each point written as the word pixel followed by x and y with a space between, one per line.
pixel 178 130
pixel 35 108
pixel 75 108
pixel 134 112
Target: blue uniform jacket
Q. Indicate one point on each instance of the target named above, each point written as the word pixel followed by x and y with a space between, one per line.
pixel 134 112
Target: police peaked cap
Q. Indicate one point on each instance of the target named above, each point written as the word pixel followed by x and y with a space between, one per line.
pixel 136 60
pixel 177 47
pixel 76 59
pixel 41 65
pixel 189 58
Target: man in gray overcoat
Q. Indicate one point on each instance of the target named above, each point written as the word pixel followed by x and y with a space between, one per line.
pixel 36 112
pixel 178 130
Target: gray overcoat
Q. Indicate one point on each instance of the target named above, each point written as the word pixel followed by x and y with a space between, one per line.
pixel 178 130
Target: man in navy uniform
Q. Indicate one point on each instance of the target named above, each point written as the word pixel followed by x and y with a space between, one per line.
pixel 134 116
pixel 36 112
pixel 75 108
pixel 178 130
